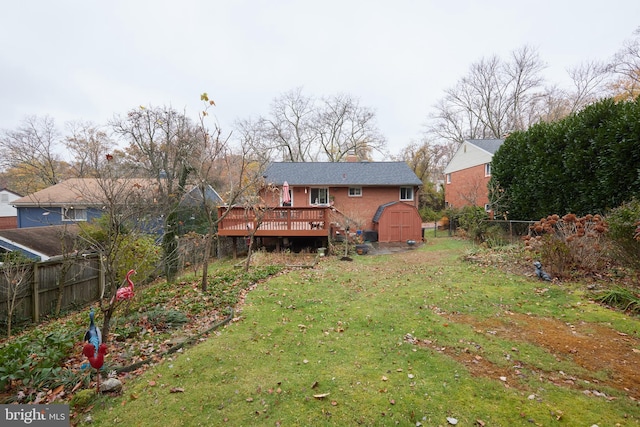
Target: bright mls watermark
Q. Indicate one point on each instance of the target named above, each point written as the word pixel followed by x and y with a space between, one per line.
pixel 34 415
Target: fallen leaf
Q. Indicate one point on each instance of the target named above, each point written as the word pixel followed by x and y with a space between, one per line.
pixel 176 390
pixel 321 395
pixel 152 383
pixel 315 384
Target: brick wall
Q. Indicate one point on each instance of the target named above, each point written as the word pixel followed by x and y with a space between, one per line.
pixel 467 187
pixel 7 222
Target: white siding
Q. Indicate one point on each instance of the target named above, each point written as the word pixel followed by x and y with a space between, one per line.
pixel 6 197
pixel 467 156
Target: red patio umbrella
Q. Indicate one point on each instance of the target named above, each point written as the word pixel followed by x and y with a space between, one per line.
pixel 286 198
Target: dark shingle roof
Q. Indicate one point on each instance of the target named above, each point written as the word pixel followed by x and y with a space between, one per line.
pixel 381 208
pixel 46 240
pixel 488 145
pixel 341 173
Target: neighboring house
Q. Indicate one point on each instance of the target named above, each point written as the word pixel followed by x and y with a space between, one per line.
pixel 313 201
pixel 71 201
pixel 83 199
pixel 193 197
pixel 40 243
pixel 467 174
pixel 8 213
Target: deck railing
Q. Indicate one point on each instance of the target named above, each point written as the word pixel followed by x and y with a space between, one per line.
pixel 280 221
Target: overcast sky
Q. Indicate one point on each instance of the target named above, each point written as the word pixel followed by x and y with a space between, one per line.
pixel 89 59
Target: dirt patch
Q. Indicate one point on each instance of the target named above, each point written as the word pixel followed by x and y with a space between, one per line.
pixel 611 356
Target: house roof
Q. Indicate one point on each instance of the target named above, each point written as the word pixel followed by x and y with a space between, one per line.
pixel 488 145
pixel 194 196
pixel 341 173
pixel 75 191
pixel 43 242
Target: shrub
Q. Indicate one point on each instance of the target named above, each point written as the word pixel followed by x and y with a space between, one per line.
pixel 569 242
pixel 624 233
pixel 473 221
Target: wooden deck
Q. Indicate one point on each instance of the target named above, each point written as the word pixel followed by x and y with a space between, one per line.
pixel 276 222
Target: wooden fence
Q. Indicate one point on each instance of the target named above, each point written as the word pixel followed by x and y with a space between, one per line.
pixel 39 296
pixel 84 281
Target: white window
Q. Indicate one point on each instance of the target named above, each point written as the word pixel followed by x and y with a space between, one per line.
pixel 487 207
pixel 406 193
pixel 487 169
pixel 319 196
pixel 72 214
pixel 355 191
pixel 448 178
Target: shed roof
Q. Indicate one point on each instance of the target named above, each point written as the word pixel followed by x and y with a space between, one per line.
pixel 341 173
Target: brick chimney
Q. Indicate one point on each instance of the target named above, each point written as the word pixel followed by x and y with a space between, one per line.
pixel 352 157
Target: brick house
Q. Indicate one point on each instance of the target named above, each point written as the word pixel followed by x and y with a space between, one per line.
pixel 314 201
pixel 467 174
pixel 8 213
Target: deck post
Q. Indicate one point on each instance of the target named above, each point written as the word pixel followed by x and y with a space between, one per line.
pixel 234 247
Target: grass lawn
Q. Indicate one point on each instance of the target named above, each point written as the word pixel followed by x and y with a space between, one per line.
pixel 415 338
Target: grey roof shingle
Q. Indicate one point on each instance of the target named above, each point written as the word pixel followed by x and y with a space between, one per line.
pixel 488 145
pixel 341 173
pixel 45 240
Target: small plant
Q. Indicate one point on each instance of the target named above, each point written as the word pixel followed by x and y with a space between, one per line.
pixel 83 398
pixel 34 360
pixel 622 298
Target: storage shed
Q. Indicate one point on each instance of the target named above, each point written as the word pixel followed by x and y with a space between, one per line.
pixel 398 222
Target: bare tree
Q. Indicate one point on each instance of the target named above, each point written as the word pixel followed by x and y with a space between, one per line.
pixel 33 150
pixel 89 145
pixel 162 142
pixel 301 128
pixel 343 127
pixel 123 236
pixel 493 99
pixel 589 79
pixel 626 66
pixel 16 271
pixel 207 165
pixel 289 127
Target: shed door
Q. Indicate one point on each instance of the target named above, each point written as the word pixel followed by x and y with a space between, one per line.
pixel 400 225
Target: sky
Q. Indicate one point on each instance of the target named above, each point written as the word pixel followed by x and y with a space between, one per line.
pixel 90 60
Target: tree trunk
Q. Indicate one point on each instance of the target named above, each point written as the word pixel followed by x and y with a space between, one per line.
pixel 106 322
pixel 249 251
pixel 170 247
pixel 205 262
